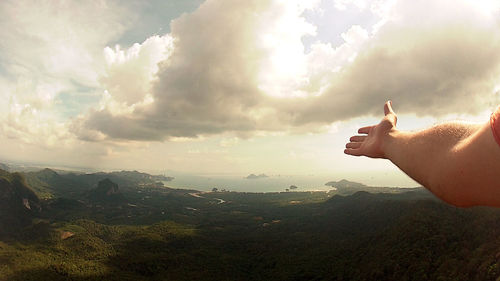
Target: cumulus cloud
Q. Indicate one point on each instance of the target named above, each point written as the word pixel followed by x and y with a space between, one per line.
pixel 427 63
pixel 27 124
pixel 130 73
pixel 211 81
pixel 241 67
pixel 60 36
pixel 49 48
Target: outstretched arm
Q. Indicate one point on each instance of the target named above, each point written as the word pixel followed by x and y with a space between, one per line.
pixel 458 162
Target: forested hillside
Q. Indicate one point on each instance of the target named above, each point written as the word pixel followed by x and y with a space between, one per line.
pixel 157 233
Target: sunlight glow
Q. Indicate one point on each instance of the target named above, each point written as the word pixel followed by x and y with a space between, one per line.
pixel 487 7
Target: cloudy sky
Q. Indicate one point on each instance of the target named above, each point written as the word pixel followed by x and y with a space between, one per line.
pixel 238 87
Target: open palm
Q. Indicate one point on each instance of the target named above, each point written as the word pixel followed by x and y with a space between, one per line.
pixel 371 141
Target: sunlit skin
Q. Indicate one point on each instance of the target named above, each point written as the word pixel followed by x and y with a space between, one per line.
pixel 458 162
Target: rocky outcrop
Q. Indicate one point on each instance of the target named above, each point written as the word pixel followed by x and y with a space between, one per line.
pixel 106 191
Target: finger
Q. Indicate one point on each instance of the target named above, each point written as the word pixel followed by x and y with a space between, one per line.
pixel 357 138
pixel 353 152
pixel 388 108
pixel 353 145
pixel 390 112
pixel 365 130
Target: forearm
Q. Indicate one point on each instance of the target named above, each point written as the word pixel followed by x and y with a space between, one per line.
pixel 425 155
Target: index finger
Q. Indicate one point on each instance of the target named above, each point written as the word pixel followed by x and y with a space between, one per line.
pixel 365 130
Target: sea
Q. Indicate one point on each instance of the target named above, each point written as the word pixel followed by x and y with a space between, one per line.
pixel 279 183
pixel 272 183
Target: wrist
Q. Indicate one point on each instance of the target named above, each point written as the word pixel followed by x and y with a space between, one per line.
pixel 389 142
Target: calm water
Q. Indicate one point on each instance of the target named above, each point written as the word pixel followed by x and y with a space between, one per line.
pixel 276 183
pixel 237 183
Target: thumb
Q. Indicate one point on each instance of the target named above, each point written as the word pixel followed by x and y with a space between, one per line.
pixel 389 111
pixel 388 108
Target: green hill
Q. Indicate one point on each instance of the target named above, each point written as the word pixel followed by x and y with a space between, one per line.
pixel 48 183
pixel 122 178
pixel 18 203
pixel 165 234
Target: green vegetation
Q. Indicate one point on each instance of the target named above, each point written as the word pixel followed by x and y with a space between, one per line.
pixel 345 187
pixel 48 183
pixel 158 233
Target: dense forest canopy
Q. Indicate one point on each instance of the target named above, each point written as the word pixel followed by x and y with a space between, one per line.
pixel 144 231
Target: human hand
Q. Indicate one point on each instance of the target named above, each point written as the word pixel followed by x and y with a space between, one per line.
pixel 371 142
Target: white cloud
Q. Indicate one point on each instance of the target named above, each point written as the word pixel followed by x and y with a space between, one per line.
pixel 58 38
pixel 343 4
pixel 228 142
pixel 283 51
pixel 130 73
pixel 429 64
pixel 211 80
pixel 242 68
pixel 224 70
pixel 49 48
pixel 324 61
pixel 29 125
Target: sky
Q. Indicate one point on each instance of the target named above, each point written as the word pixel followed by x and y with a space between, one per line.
pixel 237 87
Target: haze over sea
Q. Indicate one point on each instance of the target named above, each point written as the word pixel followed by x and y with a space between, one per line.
pixel 238 182
pixel 277 183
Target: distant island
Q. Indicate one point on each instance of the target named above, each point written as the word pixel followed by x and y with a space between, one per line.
pixel 254 176
pixel 345 187
pixel 345 184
